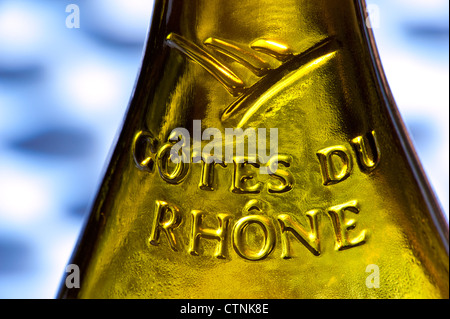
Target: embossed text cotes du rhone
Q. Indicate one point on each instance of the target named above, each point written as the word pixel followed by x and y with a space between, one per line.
pixel 336 165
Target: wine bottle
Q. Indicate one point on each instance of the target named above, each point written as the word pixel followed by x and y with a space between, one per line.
pixel 262 156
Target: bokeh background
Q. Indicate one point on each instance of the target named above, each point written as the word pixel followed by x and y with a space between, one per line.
pixel 64 92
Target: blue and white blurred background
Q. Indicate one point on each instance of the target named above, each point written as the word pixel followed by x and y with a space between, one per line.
pixel 64 91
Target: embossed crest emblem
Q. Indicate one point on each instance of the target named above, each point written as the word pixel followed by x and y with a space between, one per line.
pixel 258 58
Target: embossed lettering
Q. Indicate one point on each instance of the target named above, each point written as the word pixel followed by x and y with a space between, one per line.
pixel 207 174
pixel 253 236
pixel 285 180
pixel 335 164
pixel 174 175
pixel 342 225
pixel 238 236
pixel 367 151
pixel 242 177
pixel 165 224
pixel 309 239
pixel 241 232
pixel 143 149
pixel 199 232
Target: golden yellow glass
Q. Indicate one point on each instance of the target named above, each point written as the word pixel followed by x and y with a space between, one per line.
pixel 327 199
